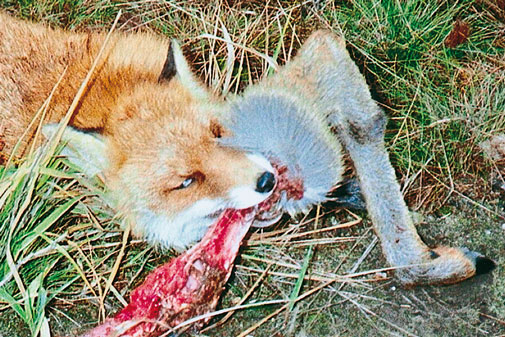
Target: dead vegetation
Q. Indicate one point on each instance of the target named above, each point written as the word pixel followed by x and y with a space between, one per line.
pixel 65 264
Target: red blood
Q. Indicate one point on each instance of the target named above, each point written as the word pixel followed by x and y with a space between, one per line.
pixel 187 286
pixel 191 284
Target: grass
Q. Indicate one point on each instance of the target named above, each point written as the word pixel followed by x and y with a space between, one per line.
pixel 60 242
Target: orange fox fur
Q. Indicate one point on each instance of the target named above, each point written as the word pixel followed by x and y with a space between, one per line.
pixel 33 57
pixel 160 133
pixel 156 127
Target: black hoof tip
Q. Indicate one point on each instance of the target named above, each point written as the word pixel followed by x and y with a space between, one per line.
pixel 483 265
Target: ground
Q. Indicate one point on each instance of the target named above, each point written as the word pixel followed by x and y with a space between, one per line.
pixel 436 67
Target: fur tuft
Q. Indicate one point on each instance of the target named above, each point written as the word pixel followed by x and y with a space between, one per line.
pixel 289 135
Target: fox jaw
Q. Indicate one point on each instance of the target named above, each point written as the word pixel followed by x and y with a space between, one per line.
pixel 171 195
pixel 174 205
pixel 161 158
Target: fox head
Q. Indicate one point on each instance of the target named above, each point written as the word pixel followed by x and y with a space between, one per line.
pixel 162 161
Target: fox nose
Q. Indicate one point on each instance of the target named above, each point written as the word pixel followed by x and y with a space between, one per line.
pixel 266 182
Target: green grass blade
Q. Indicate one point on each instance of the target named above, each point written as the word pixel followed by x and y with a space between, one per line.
pixel 301 277
pixel 11 301
pixel 49 221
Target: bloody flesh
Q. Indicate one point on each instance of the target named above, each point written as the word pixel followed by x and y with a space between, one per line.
pixel 190 285
pixel 187 286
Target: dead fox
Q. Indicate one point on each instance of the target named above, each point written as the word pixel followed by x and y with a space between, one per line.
pixel 176 156
pixel 144 120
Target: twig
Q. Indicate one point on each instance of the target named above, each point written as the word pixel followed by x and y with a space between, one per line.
pixel 267 58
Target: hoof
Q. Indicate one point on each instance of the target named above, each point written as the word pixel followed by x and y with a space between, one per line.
pixel 484 265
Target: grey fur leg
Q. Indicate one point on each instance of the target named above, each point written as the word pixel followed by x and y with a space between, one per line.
pixel 342 96
pixel 325 81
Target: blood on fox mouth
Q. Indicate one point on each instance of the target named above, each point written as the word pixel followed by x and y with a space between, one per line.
pixel 269 211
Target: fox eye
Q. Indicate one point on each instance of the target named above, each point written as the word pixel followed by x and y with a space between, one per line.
pixel 198 177
pixel 186 183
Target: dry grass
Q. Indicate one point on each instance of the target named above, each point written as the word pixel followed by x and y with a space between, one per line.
pixel 64 263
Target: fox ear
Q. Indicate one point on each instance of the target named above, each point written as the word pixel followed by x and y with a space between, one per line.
pixel 86 150
pixel 177 67
pixel 169 69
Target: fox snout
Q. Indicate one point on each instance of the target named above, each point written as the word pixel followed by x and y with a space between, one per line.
pixel 266 182
pixel 263 183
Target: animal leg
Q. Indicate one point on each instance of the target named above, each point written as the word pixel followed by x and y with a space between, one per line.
pixel 343 97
